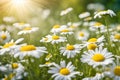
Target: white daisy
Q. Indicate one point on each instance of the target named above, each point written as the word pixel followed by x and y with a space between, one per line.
pixel 45 39
pixel 101 13
pixel 97 25
pixel 98 57
pixel 4 36
pixel 56 29
pixel 29 50
pixel 28 30
pixel 21 25
pixel 10 46
pixel 70 50
pixel 115 37
pixel 82 35
pixel 66 11
pixel 63 71
pixel 65 31
pixel 56 39
pixel 84 15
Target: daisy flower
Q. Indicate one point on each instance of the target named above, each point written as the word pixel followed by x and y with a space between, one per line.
pixel 4 36
pixel 97 25
pixel 70 50
pixel 82 35
pixel 48 57
pixel 27 30
pixel 115 37
pixel 98 57
pixel 93 43
pixel 56 29
pixel 114 72
pixel 65 31
pixel 18 70
pixel 66 11
pixel 21 25
pixel 29 50
pixel 84 15
pixel 45 39
pixel 10 46
pixel 101 13
pixel 63 71
pixel 56 39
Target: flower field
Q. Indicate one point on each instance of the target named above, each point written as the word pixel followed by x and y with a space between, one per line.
pixel 61 45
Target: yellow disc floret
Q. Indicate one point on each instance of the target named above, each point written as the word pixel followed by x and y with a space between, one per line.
pixel 97 24
pixel 117 36
pixel 7 45
pixel 28 48
pixel 81 34
pixel 98 57
pixel 3 36
pixel 92 40
pixel 15 65
pixel 117 70
pixel 64 71
pixel 27 28
pixel 65 30
pixel 55 37
pixel 91 46
pixel 56 26
pixel 70 47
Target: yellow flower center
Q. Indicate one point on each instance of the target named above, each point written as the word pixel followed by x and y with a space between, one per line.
pixel 15 65
pixel 48 56
pixel 22 23
pixel 7 45
pixel 28 48
pixel 97 24
pixel 81 34
pixel 56 26
pixel 117 36
pixel 65 30
pixel 70 47
pixel 27 28
pixel 92 40
pixel 91 46
pixel 64 71
pixel 98 57
pixel 9 77
pixel 47 63
pixel 55 37
pixel 3 36
pixel 117 70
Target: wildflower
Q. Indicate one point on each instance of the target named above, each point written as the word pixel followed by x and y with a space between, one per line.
pixel 97 25
pixel 48 57
pixel 115 37
pixel 47 64
pixel 56 39
pixel 66 11
pixel 97 57
pixel 4 36
pixel 45 39
pixel 10 46
pixel 63 71
pixel 101 13
pixel 56 29
pixel 82 35
pixel 29 50
pixel 21 25
pixel 27 30
pixel 65 31
pixel 84 15
pixel 70 50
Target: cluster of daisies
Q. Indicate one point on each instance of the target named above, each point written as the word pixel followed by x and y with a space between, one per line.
pixel 69 52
